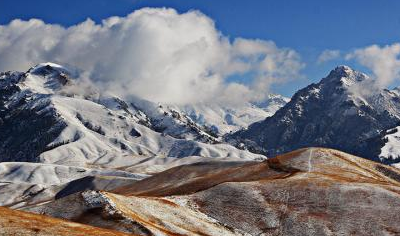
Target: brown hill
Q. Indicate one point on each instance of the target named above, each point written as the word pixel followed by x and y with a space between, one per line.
pixel 311 191
pixel 13 222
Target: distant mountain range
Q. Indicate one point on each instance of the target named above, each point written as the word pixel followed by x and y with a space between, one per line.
pixel 49 116
pixel 223 119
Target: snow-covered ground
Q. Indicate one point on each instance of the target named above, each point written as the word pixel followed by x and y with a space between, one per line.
pixel 50 174
pixel 391 149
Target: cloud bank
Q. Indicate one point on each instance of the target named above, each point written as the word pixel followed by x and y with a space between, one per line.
pixel 383 61
pixel 155 53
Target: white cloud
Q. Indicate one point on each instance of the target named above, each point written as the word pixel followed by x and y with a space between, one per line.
pixel 328 55
pixel 157 54
pixel 383 61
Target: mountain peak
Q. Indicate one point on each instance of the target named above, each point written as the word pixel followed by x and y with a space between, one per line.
pixel 344 76
pixel 342 70
pixel 47 77
pixel 48 68
pixel 332 113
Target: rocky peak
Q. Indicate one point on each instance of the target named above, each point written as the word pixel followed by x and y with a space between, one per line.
pixel 342 71
pixel 46 78
pixel 344 76
pixel 48 68
pixel 327 114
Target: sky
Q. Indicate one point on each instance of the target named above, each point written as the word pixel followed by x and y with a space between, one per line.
pixel 361 33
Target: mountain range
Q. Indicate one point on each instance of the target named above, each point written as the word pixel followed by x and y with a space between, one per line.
pixel 71 150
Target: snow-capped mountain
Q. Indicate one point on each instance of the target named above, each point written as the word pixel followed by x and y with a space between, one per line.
pixel 334 113
pixel 60 134
pixel 46 116
pixel 71 151
pixel 223 119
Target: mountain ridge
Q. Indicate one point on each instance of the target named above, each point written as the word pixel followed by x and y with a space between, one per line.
pixel 328 114
pixel 45 119
pixel 74 152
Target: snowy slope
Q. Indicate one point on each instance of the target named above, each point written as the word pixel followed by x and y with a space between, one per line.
pixel 46 119
pixel 24 183
pixel 60 134
pixel 391 149
pixel 50 174
pixel 113 139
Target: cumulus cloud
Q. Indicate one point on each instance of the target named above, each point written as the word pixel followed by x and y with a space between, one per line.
pixel 383 61
pixel 328 55
pixel 155 53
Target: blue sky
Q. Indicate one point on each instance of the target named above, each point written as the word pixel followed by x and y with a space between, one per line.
pixel 307 26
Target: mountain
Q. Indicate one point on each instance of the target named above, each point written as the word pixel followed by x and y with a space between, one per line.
pixel 61 134
pixel 337 113
pixel 223 119
pixel 311 191
pixel 47 116
pixel 126 165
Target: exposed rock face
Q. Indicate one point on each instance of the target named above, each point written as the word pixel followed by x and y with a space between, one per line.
pixel 333 113
pixel 25 128
pixel 311 191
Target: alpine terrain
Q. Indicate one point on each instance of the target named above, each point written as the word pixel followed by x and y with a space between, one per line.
pixel 77 160
pixel 55 129
pixel 335 113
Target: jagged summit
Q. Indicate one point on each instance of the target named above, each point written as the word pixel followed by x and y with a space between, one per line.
pixel 344 76
pixel 328 114
pixel 48 68
pixel 342 70
pixel 46 78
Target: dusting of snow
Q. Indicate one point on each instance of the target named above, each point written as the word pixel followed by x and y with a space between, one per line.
pixel 391 149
